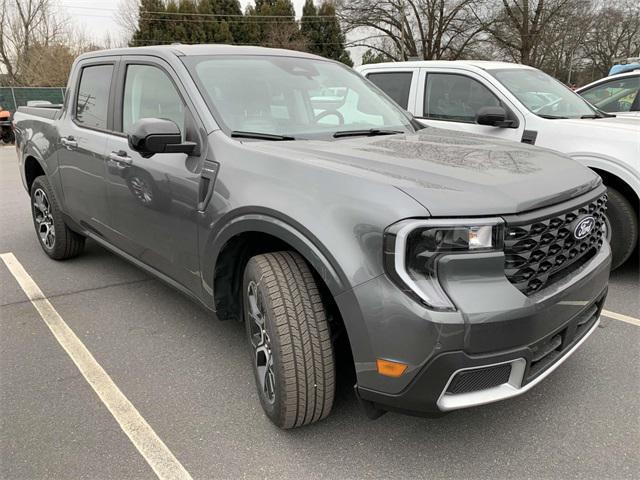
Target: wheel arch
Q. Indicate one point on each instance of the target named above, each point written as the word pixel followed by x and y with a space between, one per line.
pixel 249 234
pixel 252 234
pixel 619 174
pixel 614 181
pixel 32 169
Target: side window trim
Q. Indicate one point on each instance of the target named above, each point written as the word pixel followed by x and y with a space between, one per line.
pixel 73 103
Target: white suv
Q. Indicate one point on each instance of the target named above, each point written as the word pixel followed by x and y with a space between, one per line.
pixel 523 104
pixel 619 94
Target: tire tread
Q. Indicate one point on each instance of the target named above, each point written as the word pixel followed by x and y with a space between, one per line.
pixel 300 319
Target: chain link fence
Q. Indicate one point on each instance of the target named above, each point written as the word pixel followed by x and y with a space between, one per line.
pixel 13 97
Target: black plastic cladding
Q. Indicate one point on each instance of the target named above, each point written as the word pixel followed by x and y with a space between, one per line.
pixel 544 251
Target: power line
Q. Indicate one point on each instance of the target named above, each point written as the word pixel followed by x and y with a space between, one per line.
pixel 246 19
pixel 256 19
pixel 194 14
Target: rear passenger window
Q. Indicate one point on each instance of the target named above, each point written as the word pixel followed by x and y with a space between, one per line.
pixel 456 98
pixel 93 96
pixel 394 84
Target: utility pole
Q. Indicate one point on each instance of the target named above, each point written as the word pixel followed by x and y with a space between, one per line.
pixel 402 19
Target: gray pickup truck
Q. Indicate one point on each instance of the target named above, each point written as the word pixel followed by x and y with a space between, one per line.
pixel 285 191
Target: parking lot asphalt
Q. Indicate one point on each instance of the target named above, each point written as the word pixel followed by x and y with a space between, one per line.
pixel 190 378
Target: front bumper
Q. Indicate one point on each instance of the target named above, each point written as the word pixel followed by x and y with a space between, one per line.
pixel 495 325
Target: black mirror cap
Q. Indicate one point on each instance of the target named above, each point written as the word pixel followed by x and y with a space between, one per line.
pixel 149 136
pixel 492 116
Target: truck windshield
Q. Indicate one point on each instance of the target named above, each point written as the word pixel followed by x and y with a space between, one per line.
pixel 542 94
pixel 292 97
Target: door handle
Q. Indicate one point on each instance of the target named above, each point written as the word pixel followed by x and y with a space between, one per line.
pixel 120 157
pixel 68 142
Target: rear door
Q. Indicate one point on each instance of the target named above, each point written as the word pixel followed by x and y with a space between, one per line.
pixel 153 201
pixel 400 84
pixel 450 98
pixel 84 132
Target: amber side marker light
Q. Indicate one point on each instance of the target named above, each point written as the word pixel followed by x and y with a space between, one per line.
pixel 389 368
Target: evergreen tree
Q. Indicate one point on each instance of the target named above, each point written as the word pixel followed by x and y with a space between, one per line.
pixel 278 27
pixel 174 29
pixel 371 56
pixel 189 27
pixel 218 27
pixel 152 27
pixel 323 32
pixel 309 24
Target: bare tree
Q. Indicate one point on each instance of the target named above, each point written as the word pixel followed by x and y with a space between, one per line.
pixel 562 45
pixel 127 16
pixel 27 26
pixel 285 35
pixel 399 29
pixel 615 34
pixel 518 27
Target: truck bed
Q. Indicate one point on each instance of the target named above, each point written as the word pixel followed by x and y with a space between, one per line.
pixel 50 112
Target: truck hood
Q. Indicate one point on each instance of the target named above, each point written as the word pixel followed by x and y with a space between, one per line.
pixel 450 173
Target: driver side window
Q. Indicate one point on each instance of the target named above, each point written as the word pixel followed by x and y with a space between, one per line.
pixel 456 98
pixel 149 93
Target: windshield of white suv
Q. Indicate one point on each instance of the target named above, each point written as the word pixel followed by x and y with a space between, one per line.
pixel 275 97
pixel 542 94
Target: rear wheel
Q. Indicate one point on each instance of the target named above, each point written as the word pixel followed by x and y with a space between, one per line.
pixel 621 226
pixel 56 239
pixel 287 328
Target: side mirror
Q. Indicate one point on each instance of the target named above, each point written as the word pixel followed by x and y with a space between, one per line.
pixel 493 116
pixel 149 136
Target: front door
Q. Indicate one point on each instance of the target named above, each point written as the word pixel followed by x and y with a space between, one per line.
pixel 83 145
pixel 452 99
pixel 153 201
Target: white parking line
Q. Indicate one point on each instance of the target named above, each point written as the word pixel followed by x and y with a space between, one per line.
pixel 150 446
pixel 621 317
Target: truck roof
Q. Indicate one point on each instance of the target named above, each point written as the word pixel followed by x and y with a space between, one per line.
pixel 483 64
pixel 180 50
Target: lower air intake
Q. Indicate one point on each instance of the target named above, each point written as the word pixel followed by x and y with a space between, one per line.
pixel 479 379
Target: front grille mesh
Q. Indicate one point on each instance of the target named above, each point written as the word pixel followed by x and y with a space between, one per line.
pixel 479 379
pixel 539 253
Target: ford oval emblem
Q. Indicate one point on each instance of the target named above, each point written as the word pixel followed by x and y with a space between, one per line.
pixel 583 227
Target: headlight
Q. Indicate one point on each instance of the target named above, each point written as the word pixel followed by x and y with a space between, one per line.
pixel 412 249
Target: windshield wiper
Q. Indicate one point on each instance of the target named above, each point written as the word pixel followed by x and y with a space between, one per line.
pixel 369 133
pixel 552 117
pixel 598 115
pixel 260 136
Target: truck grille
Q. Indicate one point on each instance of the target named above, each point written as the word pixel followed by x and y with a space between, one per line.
pixel 545 250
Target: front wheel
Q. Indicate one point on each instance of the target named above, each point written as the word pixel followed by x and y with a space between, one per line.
pixel 56 239
pixel 288 331
pixel 621 227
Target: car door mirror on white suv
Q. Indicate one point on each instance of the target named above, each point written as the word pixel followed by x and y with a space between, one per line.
pixel 493 117
pixel 149 136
